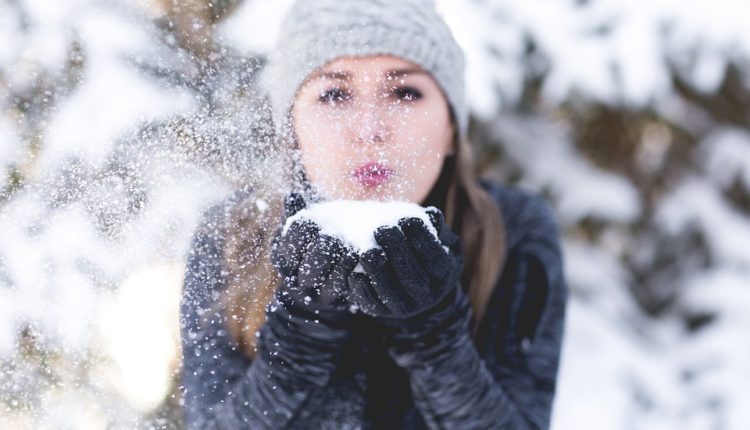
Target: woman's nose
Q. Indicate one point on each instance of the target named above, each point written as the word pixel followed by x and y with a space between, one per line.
pixel 370 123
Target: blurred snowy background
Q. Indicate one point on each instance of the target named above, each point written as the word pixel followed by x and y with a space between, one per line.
pixel 121 120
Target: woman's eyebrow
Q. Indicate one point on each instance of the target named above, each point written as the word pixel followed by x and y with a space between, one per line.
pixel 343 76
pixel 346 76
pixel 403 72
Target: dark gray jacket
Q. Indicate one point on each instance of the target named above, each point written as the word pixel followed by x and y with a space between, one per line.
pixel 505 378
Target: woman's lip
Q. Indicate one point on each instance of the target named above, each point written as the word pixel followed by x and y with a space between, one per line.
pixel 372 174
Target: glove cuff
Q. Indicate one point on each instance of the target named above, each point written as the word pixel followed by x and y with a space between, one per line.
pixel 297 349
pixel 299 316
pixel 452 312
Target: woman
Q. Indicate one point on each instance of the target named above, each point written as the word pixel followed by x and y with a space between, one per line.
pixel 460 331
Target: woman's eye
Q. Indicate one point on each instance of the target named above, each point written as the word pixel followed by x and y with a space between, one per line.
pixel 407 93
pixel 335 95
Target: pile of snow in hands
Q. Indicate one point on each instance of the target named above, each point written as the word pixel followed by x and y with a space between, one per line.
pixel 354 222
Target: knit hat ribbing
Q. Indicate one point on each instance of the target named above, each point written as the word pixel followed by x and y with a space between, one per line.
pixel 316 32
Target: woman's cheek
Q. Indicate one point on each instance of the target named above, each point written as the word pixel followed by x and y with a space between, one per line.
pixel 324 170
pixel 430 164
pixel 410 182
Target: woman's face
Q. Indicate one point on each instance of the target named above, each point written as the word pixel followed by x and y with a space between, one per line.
pixel 372 128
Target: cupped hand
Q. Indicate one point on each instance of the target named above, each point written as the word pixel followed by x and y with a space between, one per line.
pixel 313 266
pixel 411 272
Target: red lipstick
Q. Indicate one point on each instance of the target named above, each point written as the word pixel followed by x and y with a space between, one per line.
pixel 372 174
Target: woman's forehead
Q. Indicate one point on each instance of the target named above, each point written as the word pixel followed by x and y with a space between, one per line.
pixel 386 66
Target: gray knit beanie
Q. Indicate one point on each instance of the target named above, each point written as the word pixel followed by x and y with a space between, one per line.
pixel 318 31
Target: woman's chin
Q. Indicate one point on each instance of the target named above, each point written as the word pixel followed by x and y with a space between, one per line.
pixel 388 191
pixel 367 193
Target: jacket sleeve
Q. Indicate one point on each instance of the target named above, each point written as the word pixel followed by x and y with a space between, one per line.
pixel 222 389
pixel 507 378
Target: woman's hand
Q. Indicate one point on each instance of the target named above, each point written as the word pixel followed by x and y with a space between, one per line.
pixel 411 274
pixel 314 268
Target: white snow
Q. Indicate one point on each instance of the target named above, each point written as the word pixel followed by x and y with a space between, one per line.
pixel 475 30
pixel 580 188
pixel 696 201
pixel 10 147
pixel 605 50
pixel 142 349
pixel 727 155
pixel 10 33
pixel 620 370
pixel 355 221
pixel 264 18
pixel 718 355
pixel 113 97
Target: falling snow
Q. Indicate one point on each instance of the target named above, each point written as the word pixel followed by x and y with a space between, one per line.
pixel 120 122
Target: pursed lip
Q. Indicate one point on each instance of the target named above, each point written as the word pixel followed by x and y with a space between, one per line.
pixel 372 174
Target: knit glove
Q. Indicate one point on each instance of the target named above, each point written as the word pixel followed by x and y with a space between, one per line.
pixel 314 269
pixel 412 278
pixel 307 321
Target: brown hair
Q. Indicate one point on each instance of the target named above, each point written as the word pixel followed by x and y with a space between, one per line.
pixel 469 211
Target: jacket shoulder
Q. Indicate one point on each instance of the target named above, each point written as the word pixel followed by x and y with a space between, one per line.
pixel 213 219
pixel 526 214
pixel 204 265
pixel 521 334
pixel 209 236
